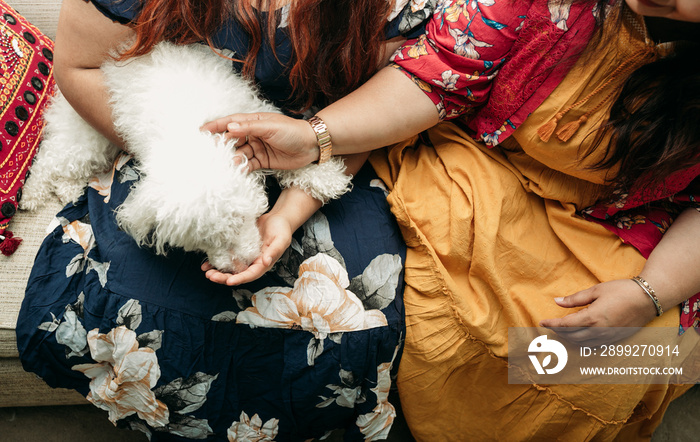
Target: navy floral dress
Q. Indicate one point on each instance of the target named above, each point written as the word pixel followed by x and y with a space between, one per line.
pixel 309 348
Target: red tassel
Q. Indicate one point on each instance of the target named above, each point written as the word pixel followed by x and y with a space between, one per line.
pixel 9 243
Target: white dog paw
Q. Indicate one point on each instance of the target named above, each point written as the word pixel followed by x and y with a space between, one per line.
pixel 35 193
pixel 29 203
pixel 228 263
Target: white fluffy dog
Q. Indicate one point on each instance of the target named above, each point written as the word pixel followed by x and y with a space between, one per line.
pixel 191 193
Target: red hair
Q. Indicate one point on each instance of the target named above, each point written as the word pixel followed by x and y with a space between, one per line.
pixel 336 44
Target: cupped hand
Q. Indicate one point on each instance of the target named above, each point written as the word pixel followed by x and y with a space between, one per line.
pixel 620 303
pixel 269 140
pixel 276 233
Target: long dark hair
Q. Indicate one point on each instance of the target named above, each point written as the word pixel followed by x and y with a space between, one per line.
pixel 653 129
pixel 654 124
pixel 336 44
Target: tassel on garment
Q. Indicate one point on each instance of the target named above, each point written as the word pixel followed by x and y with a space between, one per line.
pixel 564 134
pixel 9 243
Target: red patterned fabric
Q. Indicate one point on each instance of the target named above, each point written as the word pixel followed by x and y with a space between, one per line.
pixel 495 61
pixel 26 82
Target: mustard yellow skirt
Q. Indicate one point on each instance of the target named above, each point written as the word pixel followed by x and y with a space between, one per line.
pixel 493 236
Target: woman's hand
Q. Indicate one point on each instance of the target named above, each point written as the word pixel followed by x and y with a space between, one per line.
pixel 387 109
pixel 671 270
pixel 269 141
pixel 292 209
pixel 620 303
pixel 276 233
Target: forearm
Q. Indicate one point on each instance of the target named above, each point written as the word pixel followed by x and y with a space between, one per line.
pixel 671 269
pixel 296 206
pixel 388 109
pixel 353 163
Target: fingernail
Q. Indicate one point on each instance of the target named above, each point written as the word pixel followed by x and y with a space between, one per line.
pixel 558 300
pixel 233 126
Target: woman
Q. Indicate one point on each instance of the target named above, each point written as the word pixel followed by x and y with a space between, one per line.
pixel 539 211
pixel 150 339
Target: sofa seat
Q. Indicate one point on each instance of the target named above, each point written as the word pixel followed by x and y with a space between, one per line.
pixel 17 387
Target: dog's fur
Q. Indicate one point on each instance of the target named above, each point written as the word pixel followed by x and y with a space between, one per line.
pixel 191 193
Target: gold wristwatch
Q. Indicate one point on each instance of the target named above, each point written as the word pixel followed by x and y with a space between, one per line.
pixel 323 138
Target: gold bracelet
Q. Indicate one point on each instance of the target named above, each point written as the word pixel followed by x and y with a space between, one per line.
pixel 650 292
pixel 323 138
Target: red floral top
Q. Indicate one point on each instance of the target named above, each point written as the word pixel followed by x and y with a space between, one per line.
pixel 517 51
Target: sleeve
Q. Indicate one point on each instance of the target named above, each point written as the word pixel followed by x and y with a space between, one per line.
pixel 465 44
pixel 121 11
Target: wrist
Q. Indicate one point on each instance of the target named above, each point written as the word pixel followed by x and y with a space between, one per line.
pixel 649 292
pixel 324 146
pixel 309 143
pixel 295 206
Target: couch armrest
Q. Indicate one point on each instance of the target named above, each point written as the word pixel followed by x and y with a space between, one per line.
pixel 41 13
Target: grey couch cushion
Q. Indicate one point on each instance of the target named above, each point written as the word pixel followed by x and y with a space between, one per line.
pixel 41 13
pixel 14 270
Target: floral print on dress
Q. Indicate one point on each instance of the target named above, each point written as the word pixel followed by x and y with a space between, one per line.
pixel 136 371
pixel 318 303
pixel 690 308
pixel 346 394
pixel 448 81
pixel 182 397
pixel 375 287
pixel 419 11
pixel 69 330
pixel 71 333
pixel 466 44
pixel 80 232
pixel 626 222
pixel 253 429
pixel 218 378
pixel 323 301
pixel 103 182
pixel 451 10
pixel 125 371
pixel 477 39
pixel 123 376
pixel 560 10
pixel 399 6
pixel 462 31
pixel 494 138
pixel 376 425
